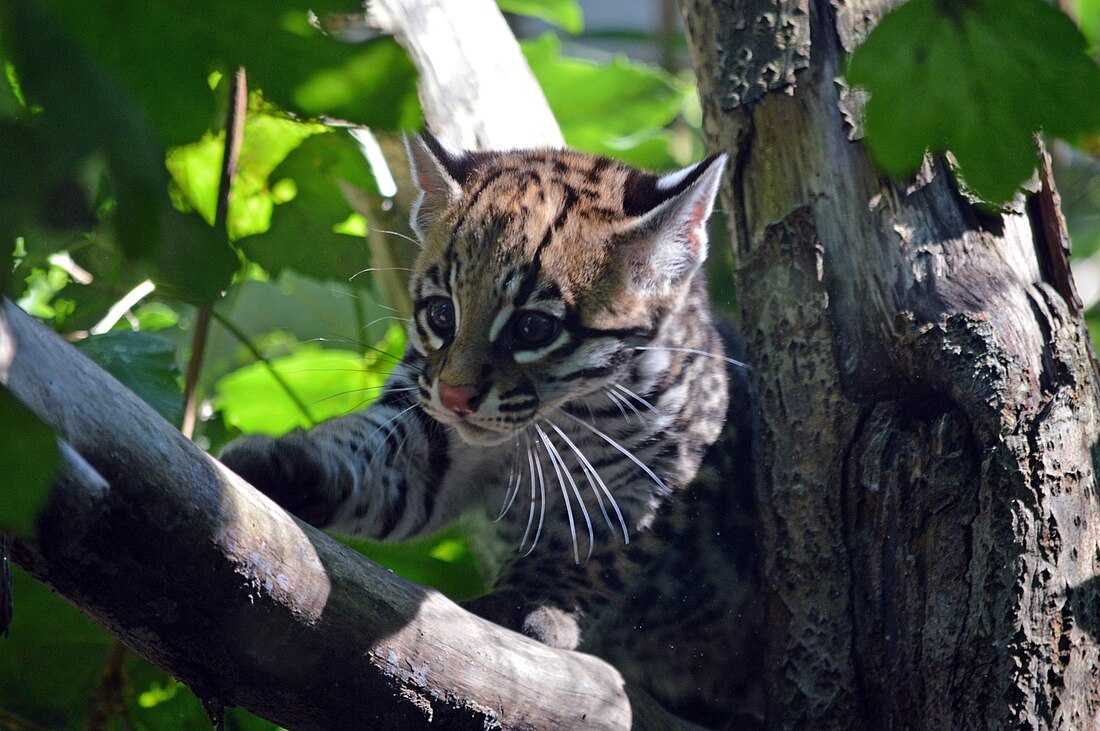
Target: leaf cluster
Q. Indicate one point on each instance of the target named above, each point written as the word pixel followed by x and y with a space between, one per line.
pixel 979 79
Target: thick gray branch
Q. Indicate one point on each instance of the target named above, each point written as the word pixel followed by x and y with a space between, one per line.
pixel 206 577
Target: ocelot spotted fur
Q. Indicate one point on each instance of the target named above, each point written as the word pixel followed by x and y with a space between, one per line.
pixel 565 373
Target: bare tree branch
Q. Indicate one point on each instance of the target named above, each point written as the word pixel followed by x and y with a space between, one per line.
pixel 475 86
pixel 209 579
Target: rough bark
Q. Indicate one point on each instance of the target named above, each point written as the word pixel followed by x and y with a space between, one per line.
pixel 927 405
pixel 206 577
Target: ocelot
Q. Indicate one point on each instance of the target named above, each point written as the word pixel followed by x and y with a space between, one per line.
pixel 564 371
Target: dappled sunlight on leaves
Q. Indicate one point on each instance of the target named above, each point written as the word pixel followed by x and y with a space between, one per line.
pixel 329 382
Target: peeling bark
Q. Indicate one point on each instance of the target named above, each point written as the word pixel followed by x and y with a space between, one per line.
pixel 927 416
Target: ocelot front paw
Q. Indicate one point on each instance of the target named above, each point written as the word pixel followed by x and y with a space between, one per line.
pixel 548 624
pixel 287 470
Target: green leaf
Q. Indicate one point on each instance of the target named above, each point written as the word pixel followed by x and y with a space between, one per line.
pixel 86 111
pixel 978 78
pixel 142 362
pixel 89 114
pixel 269 136
pixel 52 661
pixel 303 232
pixel 443 561
pixel 153 316
pixel 1088 14
pixel 162 54
pixel 376 86
pixel 619 109
pixel 565 14
pixel 193 261
pixel 52 658
pixel 29 454
pixel 113 84
pixel 330 382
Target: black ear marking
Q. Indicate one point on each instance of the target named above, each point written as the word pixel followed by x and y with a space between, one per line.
pixel 642 191
pixel 459 165
pixel 666 240
pixel 440 172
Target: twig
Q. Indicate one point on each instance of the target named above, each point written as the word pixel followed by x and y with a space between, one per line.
pixel 111 695
pixel 234 134
pixel 237 333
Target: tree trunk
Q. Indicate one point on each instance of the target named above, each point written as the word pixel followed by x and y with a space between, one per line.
pixel 927 416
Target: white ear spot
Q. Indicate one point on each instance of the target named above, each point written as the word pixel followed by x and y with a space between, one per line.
pixel 671 180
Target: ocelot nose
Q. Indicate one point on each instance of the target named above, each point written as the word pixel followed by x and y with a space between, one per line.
pixel 457 398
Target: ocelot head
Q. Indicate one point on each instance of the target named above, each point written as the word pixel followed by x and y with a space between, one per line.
pixel 541 272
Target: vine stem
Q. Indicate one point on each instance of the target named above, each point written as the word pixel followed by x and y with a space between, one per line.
pixel 237 333
pixel 234 135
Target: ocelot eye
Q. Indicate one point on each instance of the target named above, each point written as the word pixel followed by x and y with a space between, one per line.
pixel 534 329
pixel 441 316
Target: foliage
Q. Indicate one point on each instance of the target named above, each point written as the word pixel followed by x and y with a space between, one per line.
pixel 566 14
pixel 30 457
pixel 144 362
pixel 111 122
pixel 620 109
pixel 316 384
pixel 978 78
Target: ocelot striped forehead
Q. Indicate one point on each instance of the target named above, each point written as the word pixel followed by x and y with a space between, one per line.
pixel 541 269
pixel 564 215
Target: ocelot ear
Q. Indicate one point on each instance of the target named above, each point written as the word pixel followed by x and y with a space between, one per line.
pixel 439 171
pixel 666 240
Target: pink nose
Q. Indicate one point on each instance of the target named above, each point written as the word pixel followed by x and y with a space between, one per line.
pixel 457 398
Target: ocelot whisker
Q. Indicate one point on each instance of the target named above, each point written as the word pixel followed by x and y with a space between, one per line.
pixel 542 501
pixel 581 462
pixel 633 408
pixel 401 444
pixel 531 510
pixel 559 467
pixel 510 493
pixel 591 473
pixel 337 370
pixel 399 235
pixel 731 361
pixel 397 360
pixel 378 269
pixel 359 390
pixel 623 450
pixel 388 421
pixel 580 501
pixel 640 400
pixel 615 400
pixel 387 317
